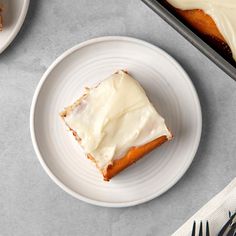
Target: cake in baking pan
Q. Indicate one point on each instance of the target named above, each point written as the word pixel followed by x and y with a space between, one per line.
pixel 215 20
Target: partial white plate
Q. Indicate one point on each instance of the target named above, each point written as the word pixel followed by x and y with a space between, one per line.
pixel 14 13
pixel 168 87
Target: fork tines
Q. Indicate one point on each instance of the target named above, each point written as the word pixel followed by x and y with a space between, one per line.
pixel 200 233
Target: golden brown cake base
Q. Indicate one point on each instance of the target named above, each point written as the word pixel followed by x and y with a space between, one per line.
pixel 201 22
pixel 133 155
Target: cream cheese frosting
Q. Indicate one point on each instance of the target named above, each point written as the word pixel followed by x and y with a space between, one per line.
pixel 223 12
pixel 115 116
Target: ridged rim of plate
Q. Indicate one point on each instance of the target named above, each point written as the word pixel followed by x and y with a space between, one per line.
pixel 32 124
pixel 18 25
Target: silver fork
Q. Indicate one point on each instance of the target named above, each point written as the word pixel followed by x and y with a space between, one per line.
pixel 200 233
pixel 229 229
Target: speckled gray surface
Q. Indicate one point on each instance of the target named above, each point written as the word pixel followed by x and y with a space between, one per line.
pixel 30 203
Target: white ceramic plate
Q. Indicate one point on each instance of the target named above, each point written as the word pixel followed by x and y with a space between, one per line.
pixel 14 13
pixel 169 89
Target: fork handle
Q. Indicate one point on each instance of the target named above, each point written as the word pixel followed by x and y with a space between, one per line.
pixel 225 230
pixel 231 232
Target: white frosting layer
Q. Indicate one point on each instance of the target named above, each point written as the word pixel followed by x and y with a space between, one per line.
pixel 115 116
pixel 223 12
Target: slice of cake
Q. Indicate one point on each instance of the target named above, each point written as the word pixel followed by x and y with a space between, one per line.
pixel 116 124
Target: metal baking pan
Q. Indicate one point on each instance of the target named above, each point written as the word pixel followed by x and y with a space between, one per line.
pixel 161 10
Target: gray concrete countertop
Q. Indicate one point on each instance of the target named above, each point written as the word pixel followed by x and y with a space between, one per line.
pixel 30 203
